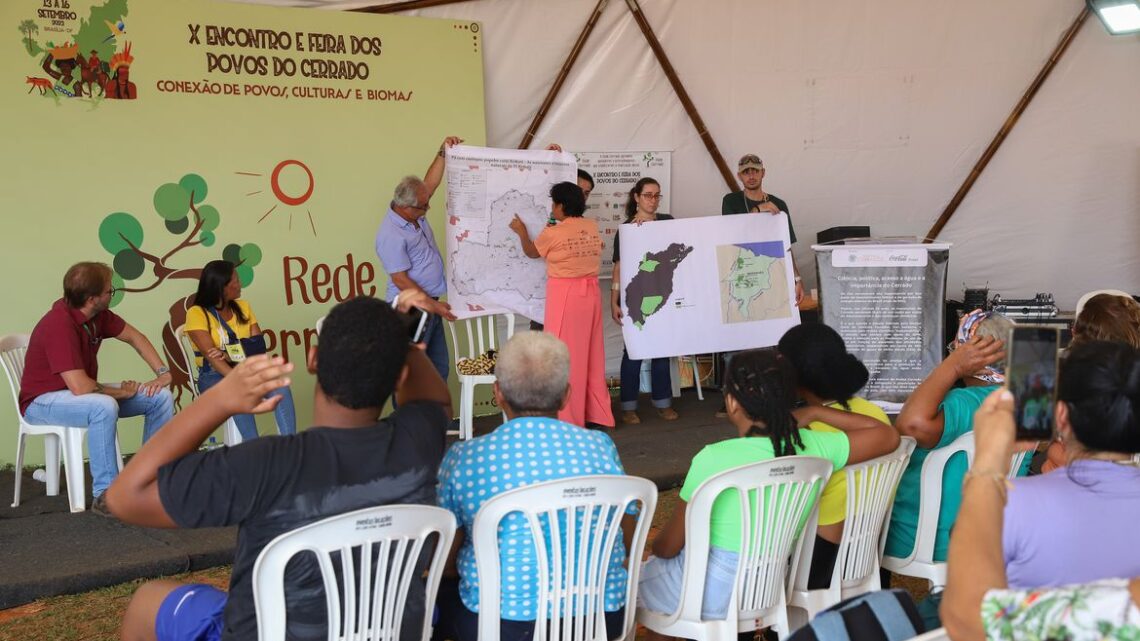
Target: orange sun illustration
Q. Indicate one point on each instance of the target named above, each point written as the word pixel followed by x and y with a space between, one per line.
pixel 292 183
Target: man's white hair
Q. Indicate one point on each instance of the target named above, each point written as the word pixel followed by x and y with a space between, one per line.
pixel 533 371
pixel 405 194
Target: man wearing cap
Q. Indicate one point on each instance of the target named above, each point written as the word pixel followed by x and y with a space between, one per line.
pixel 753 199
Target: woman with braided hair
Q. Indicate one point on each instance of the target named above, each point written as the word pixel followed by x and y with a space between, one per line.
pixel 760 392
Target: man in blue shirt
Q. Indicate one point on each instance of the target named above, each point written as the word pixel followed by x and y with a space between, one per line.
pixel 533 372
pixel 408 251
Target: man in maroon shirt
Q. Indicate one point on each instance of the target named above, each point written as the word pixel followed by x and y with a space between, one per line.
pixel 60 385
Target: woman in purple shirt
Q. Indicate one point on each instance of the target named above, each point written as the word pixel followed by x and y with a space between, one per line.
pixel 1078 523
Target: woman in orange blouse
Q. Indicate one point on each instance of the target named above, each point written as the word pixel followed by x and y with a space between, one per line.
pixel 572 248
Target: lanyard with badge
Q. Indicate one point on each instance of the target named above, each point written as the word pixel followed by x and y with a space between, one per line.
pixel 235 353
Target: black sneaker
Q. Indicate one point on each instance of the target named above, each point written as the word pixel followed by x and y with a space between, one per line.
pixel 99 506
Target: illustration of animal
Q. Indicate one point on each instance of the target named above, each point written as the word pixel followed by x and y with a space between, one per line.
pixel 43 84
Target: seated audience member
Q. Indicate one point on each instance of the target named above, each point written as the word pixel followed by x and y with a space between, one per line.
pixel 350 459
pixel 978 602
pixel 1079 523
pixel 828 377
pixel 217 324
pixel 532 372
pixel 60 384
pixel 1105 315
pixel 937 413
pixel 759 396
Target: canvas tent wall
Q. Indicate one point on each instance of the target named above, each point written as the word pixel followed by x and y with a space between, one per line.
pixel 865 112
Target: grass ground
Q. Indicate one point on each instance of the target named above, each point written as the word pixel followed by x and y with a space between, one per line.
pixel 95 615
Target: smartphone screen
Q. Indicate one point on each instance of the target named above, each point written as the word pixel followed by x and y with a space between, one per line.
pixel 1031 374
pixel 417 324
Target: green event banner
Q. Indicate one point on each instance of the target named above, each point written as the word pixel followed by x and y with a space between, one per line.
pixel 157 135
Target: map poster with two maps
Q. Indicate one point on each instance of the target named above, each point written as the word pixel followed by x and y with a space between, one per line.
pixel 706 284
pixel 487 271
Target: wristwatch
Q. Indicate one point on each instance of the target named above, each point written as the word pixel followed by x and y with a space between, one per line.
pixel 162 370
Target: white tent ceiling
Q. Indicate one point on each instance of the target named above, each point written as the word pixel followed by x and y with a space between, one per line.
pixel 865 112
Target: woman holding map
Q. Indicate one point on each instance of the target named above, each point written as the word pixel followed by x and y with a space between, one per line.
pixel 641 207
pixel 572 248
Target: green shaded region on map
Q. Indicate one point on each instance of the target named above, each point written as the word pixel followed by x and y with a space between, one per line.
pixel 651 287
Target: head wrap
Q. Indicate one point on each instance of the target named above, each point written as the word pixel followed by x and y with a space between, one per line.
pixel 967 328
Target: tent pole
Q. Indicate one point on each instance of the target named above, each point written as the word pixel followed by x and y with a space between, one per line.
pixel 1018 110
pixel 409 5
pixel 686 102
pixel 562 74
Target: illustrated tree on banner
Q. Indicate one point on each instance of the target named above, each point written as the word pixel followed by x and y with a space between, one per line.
pixel 185 215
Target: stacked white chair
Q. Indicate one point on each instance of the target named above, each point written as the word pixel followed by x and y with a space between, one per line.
pixel 786 493
pixel 230 434
pixel 582 518
pixel 58 439
pixel 871 489
pixel 366 602
pixel 482 335
pixel 920 563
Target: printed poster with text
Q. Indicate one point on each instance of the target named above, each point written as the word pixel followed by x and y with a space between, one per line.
pixel 886 301
pixel 157 135
pixel 703 285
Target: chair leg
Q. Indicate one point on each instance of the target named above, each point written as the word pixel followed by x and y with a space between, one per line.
pixel 118 454
pixel 230 434
pixel 466 409
pixel 73 467
pixel 19 467
pixel 697 380
pixel 53 448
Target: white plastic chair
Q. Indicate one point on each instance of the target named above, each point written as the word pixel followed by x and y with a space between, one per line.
pixel 58 439
pixel 921 563
pixel 786 493
pixel 379 550
pixel 582 517
pixel 482 335
pixel 870 493
pixel 230 434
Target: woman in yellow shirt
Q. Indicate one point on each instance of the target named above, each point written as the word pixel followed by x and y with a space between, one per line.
pixel 216 324
pixel 828 377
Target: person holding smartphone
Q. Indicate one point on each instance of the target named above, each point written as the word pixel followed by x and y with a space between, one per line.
pixel 980 602
pixel 225 332
pixel 1078 523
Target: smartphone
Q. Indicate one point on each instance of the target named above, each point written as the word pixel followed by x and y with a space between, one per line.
pixel 1031 375
pixel 417 324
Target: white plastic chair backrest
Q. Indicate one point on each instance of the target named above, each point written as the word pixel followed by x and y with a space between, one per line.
pixel 930 494
pixel 187 348
pixel 581 516
pixel 870 494
pixel 368 602
pixel 481 333
pixel 784 493
pixel 1019 460
pixel 13 348
pixel 319 324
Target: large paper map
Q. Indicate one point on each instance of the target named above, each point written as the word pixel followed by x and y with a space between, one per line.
pixel 709 284
pixel 487 271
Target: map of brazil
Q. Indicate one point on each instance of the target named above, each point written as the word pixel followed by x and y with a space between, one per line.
pixel 652 285
pixel 753 281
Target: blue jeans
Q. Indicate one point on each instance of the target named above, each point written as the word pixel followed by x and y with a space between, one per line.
pixel 660 382
pixel 284 413
pixel 436 345
pixel 99 413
